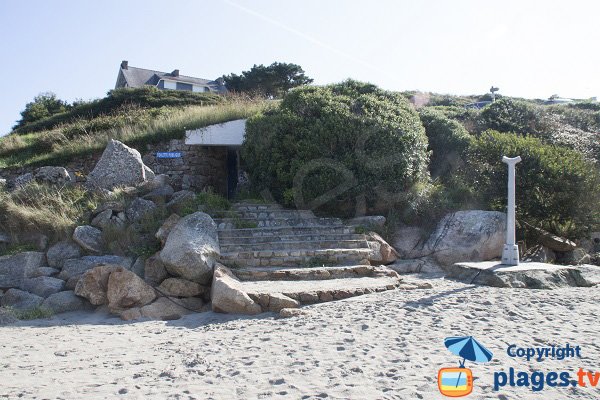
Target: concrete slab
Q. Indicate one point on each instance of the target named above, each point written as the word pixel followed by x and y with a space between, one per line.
pixel 529 275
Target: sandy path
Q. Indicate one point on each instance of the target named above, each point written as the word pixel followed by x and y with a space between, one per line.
pixel 384 345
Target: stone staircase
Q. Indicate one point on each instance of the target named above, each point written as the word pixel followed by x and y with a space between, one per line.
pixel 287 258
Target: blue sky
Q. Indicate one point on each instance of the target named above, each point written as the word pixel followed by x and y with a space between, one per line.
pixel 526 48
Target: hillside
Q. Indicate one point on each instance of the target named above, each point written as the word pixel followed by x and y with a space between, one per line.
pixel 133 116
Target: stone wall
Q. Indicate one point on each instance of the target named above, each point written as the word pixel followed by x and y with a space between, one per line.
pixel 198 168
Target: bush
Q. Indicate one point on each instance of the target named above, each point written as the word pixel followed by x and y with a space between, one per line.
pixel 337 147
pixel 508 115
pixel 448 141
pixel 555 187
pixel 43 106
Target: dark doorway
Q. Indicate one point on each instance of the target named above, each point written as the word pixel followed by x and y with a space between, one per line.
pixel 232 172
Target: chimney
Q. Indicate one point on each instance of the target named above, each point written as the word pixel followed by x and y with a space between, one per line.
pixel 124 64
pixel 175 72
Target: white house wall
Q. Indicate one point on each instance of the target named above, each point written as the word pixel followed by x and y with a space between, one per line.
pixel 226 134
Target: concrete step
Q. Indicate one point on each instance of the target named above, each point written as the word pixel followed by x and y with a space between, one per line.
pixel 295 245
pixel 310 292
pixel 286 231
pixel 234 223
pixel 274 239
pixel 256 207
pixel 312 274
pixel 299 257
pixel 276 214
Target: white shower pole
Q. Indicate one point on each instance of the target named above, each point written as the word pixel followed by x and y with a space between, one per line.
pixel 510 253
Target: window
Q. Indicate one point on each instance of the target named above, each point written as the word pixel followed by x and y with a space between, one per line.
pixel 200 89
pixel 170 85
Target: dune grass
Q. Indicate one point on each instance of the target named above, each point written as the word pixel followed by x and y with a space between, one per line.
pixel 59 145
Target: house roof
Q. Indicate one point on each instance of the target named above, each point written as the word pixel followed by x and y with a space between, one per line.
pixel 138 77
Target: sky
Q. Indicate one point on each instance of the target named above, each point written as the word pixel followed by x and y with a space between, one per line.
pixel 531 49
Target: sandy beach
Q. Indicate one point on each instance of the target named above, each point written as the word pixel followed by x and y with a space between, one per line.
pixel 382 345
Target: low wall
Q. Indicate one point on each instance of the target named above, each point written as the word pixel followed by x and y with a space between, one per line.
pixel 199 166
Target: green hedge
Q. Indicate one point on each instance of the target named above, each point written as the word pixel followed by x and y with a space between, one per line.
pixel 352 138
pixel 556 188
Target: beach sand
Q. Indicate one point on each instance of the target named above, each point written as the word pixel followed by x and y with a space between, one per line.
pixel 382 345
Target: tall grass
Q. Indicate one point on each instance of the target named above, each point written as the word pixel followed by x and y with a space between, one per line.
pixel 54 147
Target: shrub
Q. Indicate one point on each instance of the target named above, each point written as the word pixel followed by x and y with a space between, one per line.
pixel 508 115
pixel 448 141
pixel 324 147
pixel 556 187
pixel 43 106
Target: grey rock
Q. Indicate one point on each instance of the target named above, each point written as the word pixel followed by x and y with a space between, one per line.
pixel 7 317
pixel 16 268
pixel 44 271
pixel 23 180
pixel 64 302
pixel 119 165
pixel 61 251
pixel 154 270
pixel 53 176
pixel 149 174
pixel 160 195
pixel 163 232
pixel 554 242
pixel 157 182
pixel 5 238
pixel 279 301
pixel 139 208
pixel 409 241
pixel 3 183
pixel 381 251
pixel 525 275
pixel 89 238
pixel 139 266
pixel 575 257
pixel 21 300
pixel 181 288
pixel 227 295
pixel 103 219
pixel 115 206
pixel 180 200
pixel 164 309
pixel 43 286
pixel 539 253
pixel 468 236
pixel 192 248
pixel 80 265
pixel 416 265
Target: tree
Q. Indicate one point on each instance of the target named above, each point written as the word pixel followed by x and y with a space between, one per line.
pixel 43 106
pixel 272 81
pixel 338 148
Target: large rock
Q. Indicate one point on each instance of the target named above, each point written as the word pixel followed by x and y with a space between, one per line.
pixel 119 165
pixel 64 302
pixel 127 290
pixel 164 309
pixel 163 232
pixel 139 208
pixel 574 257
pixel 539 253
pixel 227 295
pixel 23 180
pixel 78 266
pixel 103 219
pixel 554 242
pixel 160 195
pixel 192 248
pixel 44 271
pixel 43 286
pixel 468 236
pixel 58 176
pixel 16 268
pixel 89 238
pixel 525 275
pixel 415 265
pixel 409 241
pixel 180 201
pixel 381 251
pixel 181 288
pixel 154 270
pixel 279 301
pixel 93 285
pixel 61 251
pixel 20 300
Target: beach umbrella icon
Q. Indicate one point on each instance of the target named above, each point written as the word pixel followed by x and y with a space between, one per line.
pixel 469 349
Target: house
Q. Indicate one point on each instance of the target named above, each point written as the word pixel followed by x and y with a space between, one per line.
pixel 134 77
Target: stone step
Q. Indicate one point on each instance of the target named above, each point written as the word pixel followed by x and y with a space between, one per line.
pixel 310 291
pixel 256 207
pixel 297 257
pixel 276 214
pixel 274 239
pixel 295 245
pixel 234 223
pixel 312 274
pixel 286 231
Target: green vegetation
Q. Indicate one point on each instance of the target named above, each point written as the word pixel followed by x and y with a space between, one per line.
pixel 351 139
pixel 556 188
pixel 42 107
pixel 132 125
pixel 270 82
pixel 33 313
pixel 16 249
pixel 53 211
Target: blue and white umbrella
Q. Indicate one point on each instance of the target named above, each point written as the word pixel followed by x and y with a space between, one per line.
pixel 469 349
